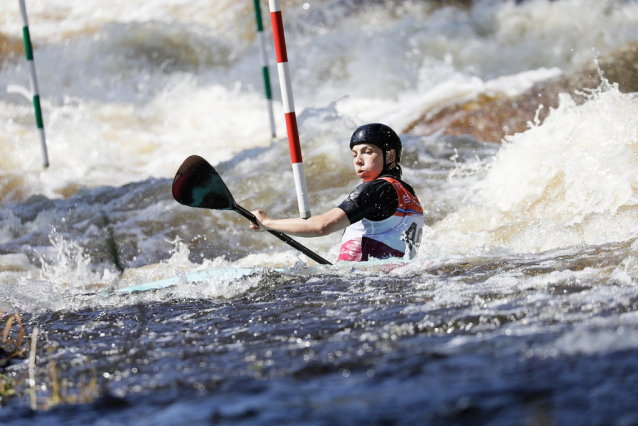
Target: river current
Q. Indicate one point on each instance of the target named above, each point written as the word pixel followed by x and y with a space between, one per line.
pixel 521 307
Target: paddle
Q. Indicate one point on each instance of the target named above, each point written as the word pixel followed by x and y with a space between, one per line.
pixel 197 184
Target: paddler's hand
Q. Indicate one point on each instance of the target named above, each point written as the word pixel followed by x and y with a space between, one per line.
pixel 260 215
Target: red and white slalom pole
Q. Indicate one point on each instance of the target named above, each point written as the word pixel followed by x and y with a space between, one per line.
pixel 289 108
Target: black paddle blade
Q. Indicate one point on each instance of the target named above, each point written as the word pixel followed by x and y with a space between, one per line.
pixel 197 184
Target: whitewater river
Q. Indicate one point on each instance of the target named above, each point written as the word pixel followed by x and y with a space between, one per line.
pixel 520 309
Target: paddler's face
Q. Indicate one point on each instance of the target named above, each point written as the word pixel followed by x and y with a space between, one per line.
pixel 368 161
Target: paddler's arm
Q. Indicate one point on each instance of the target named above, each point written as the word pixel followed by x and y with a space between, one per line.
pixel 315 226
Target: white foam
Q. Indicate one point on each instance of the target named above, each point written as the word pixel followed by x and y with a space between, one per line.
pixel 568 181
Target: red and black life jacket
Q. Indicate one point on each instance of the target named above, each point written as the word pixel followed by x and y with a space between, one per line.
pixel 392 237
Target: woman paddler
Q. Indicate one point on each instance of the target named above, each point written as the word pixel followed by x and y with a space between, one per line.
pixel 382 217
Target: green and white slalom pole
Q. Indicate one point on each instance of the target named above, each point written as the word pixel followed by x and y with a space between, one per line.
pixel 28 49
pixel 289 108
pixel 264 66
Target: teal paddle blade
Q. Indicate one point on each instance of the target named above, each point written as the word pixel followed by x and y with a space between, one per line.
pixel 197 184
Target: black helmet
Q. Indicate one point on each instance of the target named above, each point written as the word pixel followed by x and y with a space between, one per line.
pixel 379 135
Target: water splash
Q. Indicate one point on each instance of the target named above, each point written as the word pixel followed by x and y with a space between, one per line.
pixel 68 268
pixel 570 180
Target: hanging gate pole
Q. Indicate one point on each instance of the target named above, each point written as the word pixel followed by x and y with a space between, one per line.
pixel 289 108
pixel 28 50
pixel 264 66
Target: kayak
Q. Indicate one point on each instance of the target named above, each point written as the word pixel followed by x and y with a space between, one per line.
pixel 192 278
pixel 227 274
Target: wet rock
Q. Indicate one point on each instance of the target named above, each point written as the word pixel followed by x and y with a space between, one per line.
pixel 490 118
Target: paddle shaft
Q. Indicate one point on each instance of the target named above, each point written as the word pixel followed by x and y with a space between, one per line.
pixel 283 237
pixel 197 184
